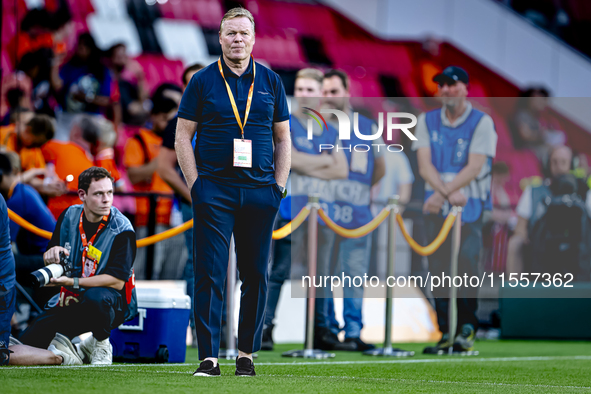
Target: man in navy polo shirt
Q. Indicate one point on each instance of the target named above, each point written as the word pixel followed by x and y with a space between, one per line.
pixel 237 175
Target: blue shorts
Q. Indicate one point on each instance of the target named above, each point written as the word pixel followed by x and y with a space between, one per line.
pixel 7 305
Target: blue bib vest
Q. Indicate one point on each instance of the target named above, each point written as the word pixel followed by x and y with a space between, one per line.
pixel 300 186
pixel 70 239
pixel 449 154
pixel 353 195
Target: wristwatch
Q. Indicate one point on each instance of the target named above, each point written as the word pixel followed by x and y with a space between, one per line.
pixel 283 191
pixel 76 284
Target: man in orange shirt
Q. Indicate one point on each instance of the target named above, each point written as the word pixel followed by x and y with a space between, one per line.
pixel 71 158
pixel 25 137
pixel 140 160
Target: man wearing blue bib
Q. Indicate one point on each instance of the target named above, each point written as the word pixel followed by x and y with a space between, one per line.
pixel 455 148
pixel 351 208
pixel 237 174
pixel 311 173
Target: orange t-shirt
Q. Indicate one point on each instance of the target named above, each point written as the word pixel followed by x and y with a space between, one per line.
pixel 106 159
pixel 30 157
pixel 134 157
pixel 68 159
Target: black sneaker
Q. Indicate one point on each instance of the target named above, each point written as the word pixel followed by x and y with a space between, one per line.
pixel 441 347
pixel 360 346
pixel 206 368
pixel 244 367
pixel 267 343
pixel 465 340
pixel 325 339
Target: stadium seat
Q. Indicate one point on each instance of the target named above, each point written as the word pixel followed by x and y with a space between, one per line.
pixel 80 9
pixel 116 9
pixel 181 40
pixel 158 70
pixel 208 13
pixel 108 31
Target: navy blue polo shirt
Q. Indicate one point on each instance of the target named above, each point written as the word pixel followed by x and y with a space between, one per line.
pixel 206 102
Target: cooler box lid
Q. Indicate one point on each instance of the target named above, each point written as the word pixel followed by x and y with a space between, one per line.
pixel 162 299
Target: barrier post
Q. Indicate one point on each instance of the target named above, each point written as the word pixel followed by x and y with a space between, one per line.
pixel 387 350
pixel 453 292
pixel 230 352
pixel 456 240
pixel 309 351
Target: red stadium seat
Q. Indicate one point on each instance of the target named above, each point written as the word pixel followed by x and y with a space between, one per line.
pixel 158 70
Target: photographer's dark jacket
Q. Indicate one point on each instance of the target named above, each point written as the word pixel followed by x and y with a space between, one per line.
pixel 116 241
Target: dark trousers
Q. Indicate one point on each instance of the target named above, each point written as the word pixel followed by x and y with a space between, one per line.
pixel 440 262
pixel 100 310
pixel 7 307
pixel 220 210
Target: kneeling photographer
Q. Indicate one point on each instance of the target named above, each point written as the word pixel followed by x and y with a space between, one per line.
pixel 95 246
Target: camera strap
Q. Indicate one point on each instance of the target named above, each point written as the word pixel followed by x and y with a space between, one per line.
pixel 90 262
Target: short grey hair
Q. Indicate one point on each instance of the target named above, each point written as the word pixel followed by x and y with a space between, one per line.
pixel 237 12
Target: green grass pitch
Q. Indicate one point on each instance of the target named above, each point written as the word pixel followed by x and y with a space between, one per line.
pixel 501 367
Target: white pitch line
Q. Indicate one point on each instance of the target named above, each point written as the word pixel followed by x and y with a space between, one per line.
pixel 435 381
pixel 295 363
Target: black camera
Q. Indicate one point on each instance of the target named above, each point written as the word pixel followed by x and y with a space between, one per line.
pixel 42 276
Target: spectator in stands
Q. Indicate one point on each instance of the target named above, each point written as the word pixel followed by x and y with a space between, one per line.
pixel 455 146
pixel 27 203
pixel 26 137
pixel 170 172
pixel 311 173
pixel 84 83
pixel 140 160
pixel 17 103
pixel 352 200
pixel 37 66
pixel 105 153
pixel 560 163
pixel 35 34
pixel 499 225
pixel 131 80
pixel 70 159
pixel 532 128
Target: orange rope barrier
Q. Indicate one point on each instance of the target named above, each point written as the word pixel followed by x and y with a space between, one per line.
pixel 357 232
pixel 28 226
pixel 433 246
pixel 277 234
pixel 286 230
pixel 291 226
pixel 152 239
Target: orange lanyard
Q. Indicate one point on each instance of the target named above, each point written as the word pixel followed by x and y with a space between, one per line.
pixel 86 243
pixel 233 102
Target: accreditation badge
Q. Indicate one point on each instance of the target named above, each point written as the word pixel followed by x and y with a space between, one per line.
pixel 94 253
pixel 242 153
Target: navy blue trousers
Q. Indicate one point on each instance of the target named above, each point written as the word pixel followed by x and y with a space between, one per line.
pixel 218 211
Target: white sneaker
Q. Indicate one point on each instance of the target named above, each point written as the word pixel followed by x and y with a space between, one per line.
pixel 96 352
pixel 61 346
pixel 12 341
pixel 85 348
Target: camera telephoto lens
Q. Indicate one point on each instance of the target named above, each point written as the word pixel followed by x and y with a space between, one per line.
pixel 42 276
